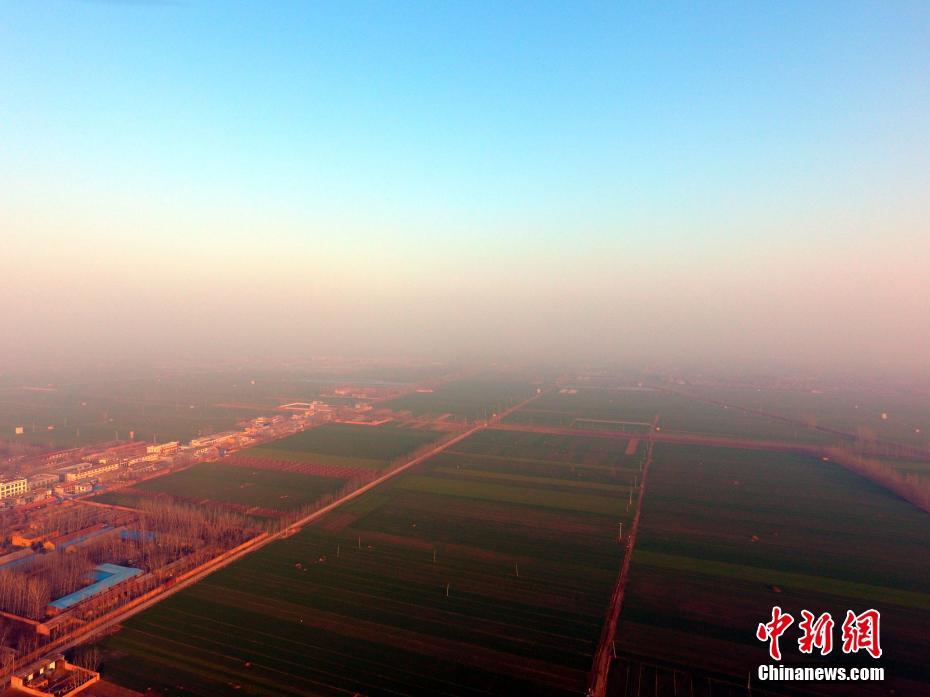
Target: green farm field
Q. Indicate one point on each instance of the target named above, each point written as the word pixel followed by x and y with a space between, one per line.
pixel 271 453
pixel 590 408
pixel 220 482
pixel 857 411
pixel 571 451
pixel 350 444
pixel 448 580
pixel 522 492
pixel 487 569
pixel 467 399
pixel 466 472
pixel 726 534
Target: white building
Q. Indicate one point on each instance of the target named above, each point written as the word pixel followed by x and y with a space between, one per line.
pixel 43 480
pixel 164 448
pixel 13 487
pixel 86 470
pixel 218 439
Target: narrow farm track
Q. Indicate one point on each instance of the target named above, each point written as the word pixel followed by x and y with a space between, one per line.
pixel 98 627
pixel 597 680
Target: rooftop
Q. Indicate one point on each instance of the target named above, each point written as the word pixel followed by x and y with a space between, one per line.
pixel 105 577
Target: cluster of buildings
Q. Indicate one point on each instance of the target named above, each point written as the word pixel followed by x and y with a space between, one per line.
pixel 52 676
pixel 10 488
pixel 71 472
pixel 77 471
pixel 53 540
pixel 364 391
pixel 361 413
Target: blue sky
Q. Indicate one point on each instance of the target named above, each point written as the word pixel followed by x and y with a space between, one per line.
pixel 503 137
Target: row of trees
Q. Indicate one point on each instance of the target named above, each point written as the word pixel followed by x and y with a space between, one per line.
pixel 67 519
pixel 53 520
pixel 169 530
pixel 909 486
pixel 163 532
pixel 24 595
pixel 27 589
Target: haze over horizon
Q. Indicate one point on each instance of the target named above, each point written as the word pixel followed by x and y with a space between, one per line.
pixel 561 182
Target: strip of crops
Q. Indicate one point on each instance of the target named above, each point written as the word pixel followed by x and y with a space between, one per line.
pixel 567 501
pixel 220 482
pixel 726 534
pixel 306 468
pixel 317 458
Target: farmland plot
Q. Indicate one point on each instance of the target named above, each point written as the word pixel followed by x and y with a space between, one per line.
pixel 286 475
pixel 466 399
pixel 630 409
pixel 726 534
pixel 448 580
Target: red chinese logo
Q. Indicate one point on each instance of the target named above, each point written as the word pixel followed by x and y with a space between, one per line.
pixel 817 633
pixel 771 631
pixel 860 632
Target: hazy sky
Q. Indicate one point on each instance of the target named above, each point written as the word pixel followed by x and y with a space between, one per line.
pixel 742 181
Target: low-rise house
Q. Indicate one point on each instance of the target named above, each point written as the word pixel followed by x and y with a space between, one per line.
pixel 43 480
pixel 27 538
pixel 105 577
pixel 52 676
pixel 87 470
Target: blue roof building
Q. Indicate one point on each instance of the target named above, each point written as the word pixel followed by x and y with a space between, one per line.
pixel 105 576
